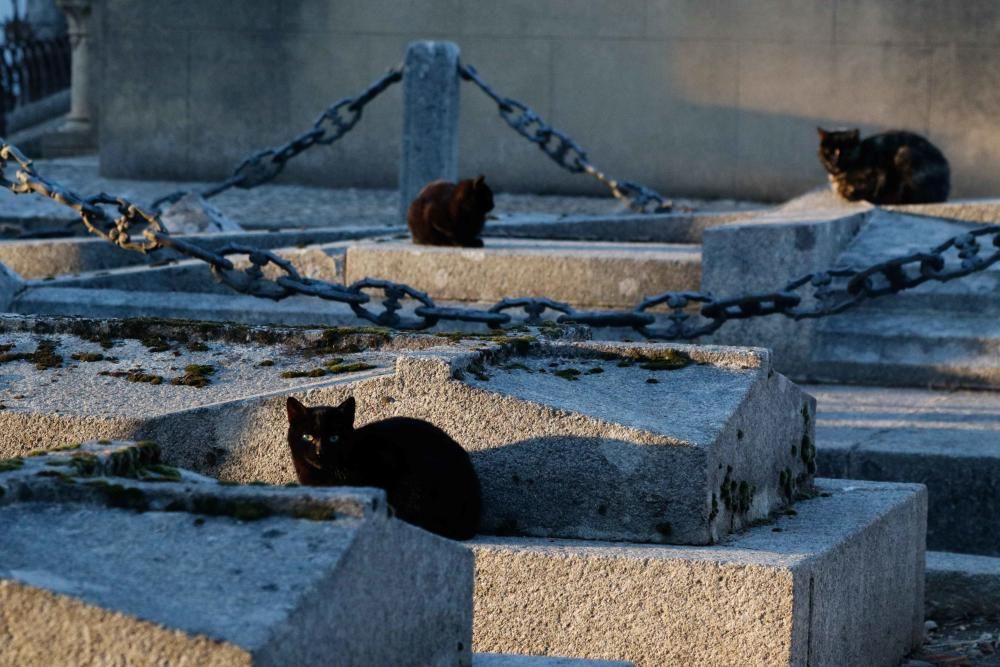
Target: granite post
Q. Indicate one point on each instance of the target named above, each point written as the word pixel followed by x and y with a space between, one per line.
pixel 430 118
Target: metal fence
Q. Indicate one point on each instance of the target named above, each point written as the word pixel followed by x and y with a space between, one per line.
pixel 30 68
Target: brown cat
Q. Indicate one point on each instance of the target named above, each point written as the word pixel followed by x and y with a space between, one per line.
pixel 452 214
pixel 428 478
pixel 896 167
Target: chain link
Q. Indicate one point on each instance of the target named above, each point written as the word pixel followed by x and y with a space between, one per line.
pixel 562 149
pixel 689 314
pixel 264 166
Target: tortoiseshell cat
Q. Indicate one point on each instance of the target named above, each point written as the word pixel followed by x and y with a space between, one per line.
pixel 428 478
pixel 896 167
pixel 446 213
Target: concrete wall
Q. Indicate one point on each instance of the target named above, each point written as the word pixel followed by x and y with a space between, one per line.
pixel 699 97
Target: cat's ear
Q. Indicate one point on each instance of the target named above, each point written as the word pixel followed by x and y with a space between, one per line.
pixel 479 182
pixel 296 410
pixel 821 132
pixel 347 410
pixel 855 134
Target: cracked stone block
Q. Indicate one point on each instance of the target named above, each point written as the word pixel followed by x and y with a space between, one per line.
pixel 628 441
pixel 111 557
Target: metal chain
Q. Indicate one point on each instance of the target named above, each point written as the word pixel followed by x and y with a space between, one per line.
pixel 264 166
pixel 563 150
pixel 810 296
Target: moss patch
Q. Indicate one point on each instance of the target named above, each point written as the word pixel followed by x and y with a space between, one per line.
pixel 572 374
pixel 87 356
pixel 195 375
pixel 9 465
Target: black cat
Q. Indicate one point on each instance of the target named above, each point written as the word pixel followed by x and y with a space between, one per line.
pixel 446 213
pixel 428 478
pixel 894 167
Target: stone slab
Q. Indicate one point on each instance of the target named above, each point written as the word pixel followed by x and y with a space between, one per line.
pixel 192 276
pixel 842 583
pixel 762 255
pixel 561 449
pixel 947 440
pixel 508 660
pixel 52 257
pixel 962 585
pixel 213 575
pixel 584 273
pixel 684 227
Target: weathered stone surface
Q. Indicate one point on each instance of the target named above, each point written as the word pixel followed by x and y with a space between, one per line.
pixel 561 449
pixel 962 585
pixel 591 274
pixel 622 226
pixel 53 257
pixel 814 593
pixel 904 339
pixel 946 440
pixel 509 660
pixel 216 575
pixel 430 118
pixel 192 214
pixel 766 253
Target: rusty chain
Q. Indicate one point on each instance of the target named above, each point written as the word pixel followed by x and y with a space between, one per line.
pixel 264 166
pixel 563 150
pixel 690 314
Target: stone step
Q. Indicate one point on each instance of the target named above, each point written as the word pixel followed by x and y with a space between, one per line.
pixel 806 589
pixel 593 274
pixel 40 259
pixel 962 586
pixel 631 442
pixel 940 349
pixel 621 227
pixel 947 440
pixel 112 558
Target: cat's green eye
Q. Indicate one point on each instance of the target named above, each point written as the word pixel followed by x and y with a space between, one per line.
pixel 333 439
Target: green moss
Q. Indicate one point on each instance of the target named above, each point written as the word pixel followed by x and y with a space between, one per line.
pixel 515 366
pixel 808 453
pixel 625 363
pixel 715 508
pixel 103 441
pixel 338 368
pixel 477 370
pixel 68 448
pixel 595 370
pixel 9 465
pixel 156 344
pixel 197 346
pixel 87 356
pixel 195 375
pixel 140 376
pixel 159 473
pixel 315 513
pixel 123 497
pixel 243 510
pixel 668 360
pixel 314 373
pixel 266 363
pixel 44 356
pixel 571 374
pixel 61 475
pixel 84 464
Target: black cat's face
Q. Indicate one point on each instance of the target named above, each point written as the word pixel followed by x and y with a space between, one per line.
pixel 838 149
pixel 483 194
pixel 312 430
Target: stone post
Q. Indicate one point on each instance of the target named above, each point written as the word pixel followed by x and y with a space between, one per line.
pixel 78 13
pixel 430 118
